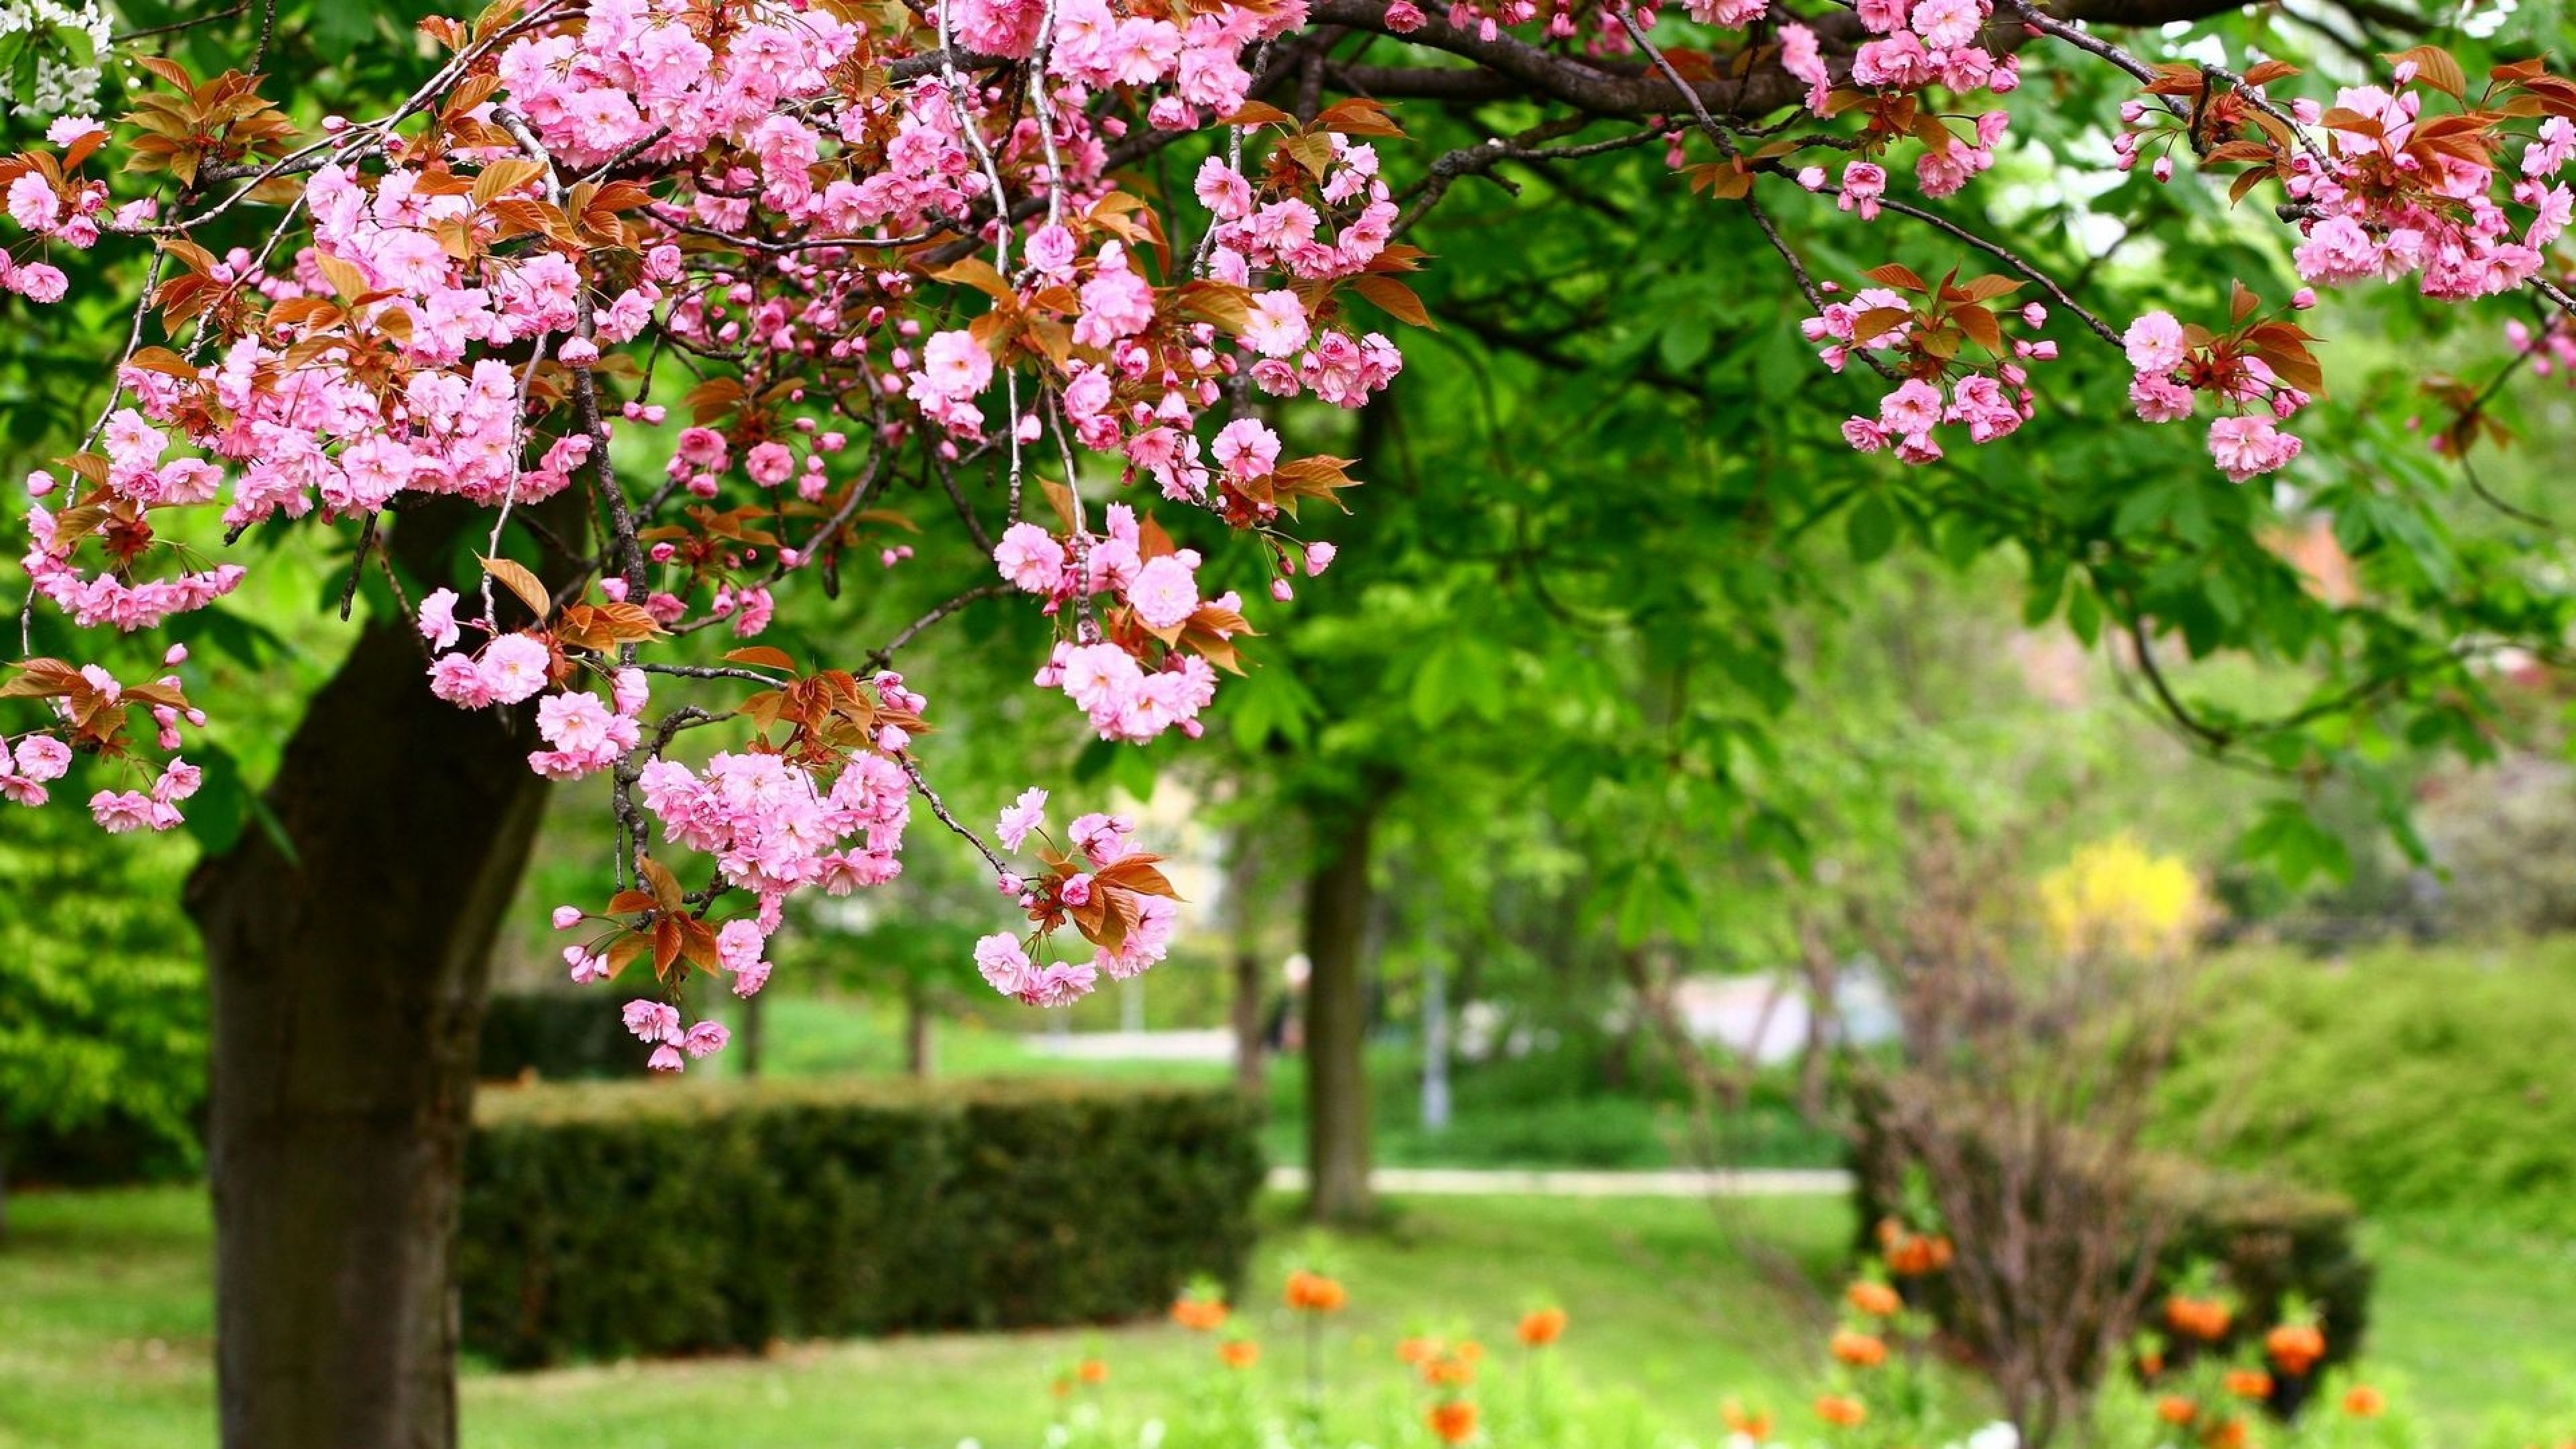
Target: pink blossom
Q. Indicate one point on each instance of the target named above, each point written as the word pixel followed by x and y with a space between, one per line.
pixel 771 464
pixel 514 667
pixel 1165 593
pixel 652 1020
pixel 1246 448
pixel 438 619
pixel 42 758
pixel 118 812
pixel 1029 558
pixel 1022 816
pixel 1276 324
pixel 1003 964
pixel 2247 446
pixel 2154 343
pixel 1864 183
pixel 1914 407
pixel 2159 399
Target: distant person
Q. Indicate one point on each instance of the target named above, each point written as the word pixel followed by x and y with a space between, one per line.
pixel 1286 1031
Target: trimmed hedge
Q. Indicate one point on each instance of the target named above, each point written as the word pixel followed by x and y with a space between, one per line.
pixel 2268 1237
pixel 661 1217
pixel 561 1036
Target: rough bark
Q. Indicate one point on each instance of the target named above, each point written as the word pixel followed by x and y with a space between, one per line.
pixel 348 979
pixel 1337 924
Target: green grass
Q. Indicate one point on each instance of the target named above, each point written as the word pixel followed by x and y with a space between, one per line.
pixel 2479 1319
pixel 105 1331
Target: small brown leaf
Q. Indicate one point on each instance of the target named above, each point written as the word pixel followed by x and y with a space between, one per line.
pixel 520 582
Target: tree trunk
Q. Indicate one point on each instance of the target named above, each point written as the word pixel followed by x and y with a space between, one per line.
pixel 1337 922
pixel 916 1029
pixel 1242 878
pixel 348 985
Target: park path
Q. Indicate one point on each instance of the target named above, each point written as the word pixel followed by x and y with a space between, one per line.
pixel 1463 1181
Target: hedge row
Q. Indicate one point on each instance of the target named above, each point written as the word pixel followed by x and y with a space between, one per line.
pixel 2267 1237
pixel 669 1217
pixel 558 1036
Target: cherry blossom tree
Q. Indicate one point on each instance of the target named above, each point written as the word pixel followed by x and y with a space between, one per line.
pixel 635 323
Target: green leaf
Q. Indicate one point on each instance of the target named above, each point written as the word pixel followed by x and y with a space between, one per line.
pixel 1871 528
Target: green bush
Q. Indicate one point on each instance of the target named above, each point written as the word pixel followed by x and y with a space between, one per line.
pixel 2266 1236
pixel 560 1036
pixel 657 1217
pixel 2409 1079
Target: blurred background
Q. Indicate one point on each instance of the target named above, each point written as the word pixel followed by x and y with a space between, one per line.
pixel 1670 869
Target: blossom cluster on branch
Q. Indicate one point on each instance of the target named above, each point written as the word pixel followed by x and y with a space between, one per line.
pixel 812 258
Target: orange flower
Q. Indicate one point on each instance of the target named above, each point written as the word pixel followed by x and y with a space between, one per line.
pixel 1542 1327
pixel 1453 1421
pixel 1238 1353
pixel 2225 1434
pixel 1860 1350
pixel 2175 1409
pixel 2151 1363
pixel 1873 1298
pixel 1911 1254
pixel 1092 1371
pixel 1449 1370
pixel 2202 1318
pixel 1315 1293
pixel 2249 1383
pixel 1841 1412
pixel 1203 1315
pixel 2364 1402
pixel 2295 1347
pixel 1755 1426
pixel 1416 1351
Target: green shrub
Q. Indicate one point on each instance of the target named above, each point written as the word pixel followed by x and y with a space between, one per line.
pixel 2267 1237
pixel 2409 1079
pixel 561 1036
pixel 656 1217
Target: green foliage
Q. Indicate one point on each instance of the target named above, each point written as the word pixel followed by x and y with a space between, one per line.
pixel 102 1003
pixel 2265 1238
pixel 2407 1078
pixel 656 1218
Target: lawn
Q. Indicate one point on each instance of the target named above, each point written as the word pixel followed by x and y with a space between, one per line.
pixel 105 1331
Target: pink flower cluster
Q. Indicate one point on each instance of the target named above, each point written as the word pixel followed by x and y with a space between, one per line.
pixel 1096 840
pixel 1990 401
pixel 54 208
pixel 774 827
pixel 1106 676
pixel 1914 47
pixel 2386 208
pixel 2172 363
pixel 658 1022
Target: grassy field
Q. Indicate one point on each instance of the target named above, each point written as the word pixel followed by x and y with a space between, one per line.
pixel 105 1332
